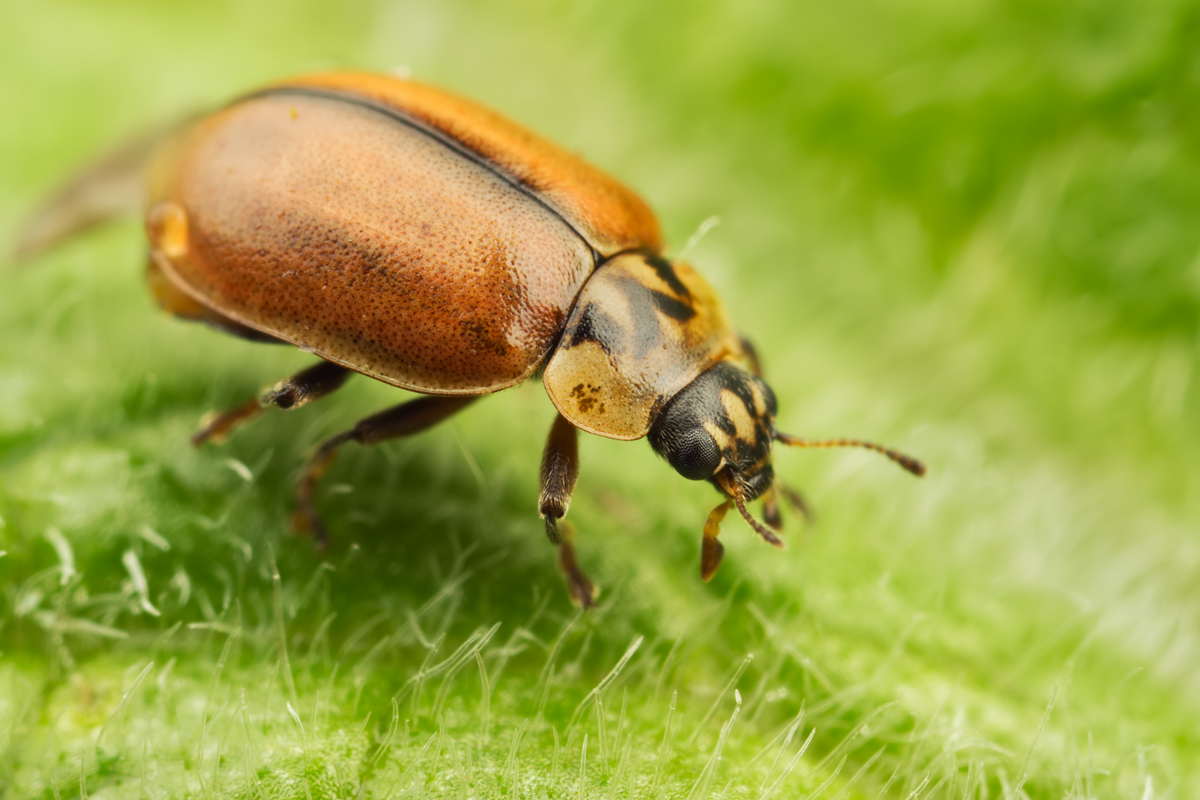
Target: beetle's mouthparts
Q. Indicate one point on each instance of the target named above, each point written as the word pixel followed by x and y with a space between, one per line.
pixel 739 489
pixel 734 486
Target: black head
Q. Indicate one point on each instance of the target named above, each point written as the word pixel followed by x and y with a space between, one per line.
pixel 719 428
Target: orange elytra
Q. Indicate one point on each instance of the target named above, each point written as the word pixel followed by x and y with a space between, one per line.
pixel 399 231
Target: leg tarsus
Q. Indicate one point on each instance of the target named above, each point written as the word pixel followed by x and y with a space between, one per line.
pixel 305 518
pixel 217 427
pixel 552 532
pixel 580 588
pixel 304 387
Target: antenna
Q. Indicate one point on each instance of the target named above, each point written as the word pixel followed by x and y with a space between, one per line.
pixel 907 462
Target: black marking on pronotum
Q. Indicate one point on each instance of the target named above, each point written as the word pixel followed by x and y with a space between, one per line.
pixel 672 307
pixel 647 333
pixel 595 326
pixel 667 273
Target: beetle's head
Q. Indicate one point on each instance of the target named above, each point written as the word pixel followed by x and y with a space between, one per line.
pixel 720 428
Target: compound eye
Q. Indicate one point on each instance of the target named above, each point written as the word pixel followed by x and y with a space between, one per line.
pixel 694 454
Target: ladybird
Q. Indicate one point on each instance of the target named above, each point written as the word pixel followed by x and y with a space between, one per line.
pixel 401 232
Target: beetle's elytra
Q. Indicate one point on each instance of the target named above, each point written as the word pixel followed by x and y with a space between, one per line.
pixel 399 231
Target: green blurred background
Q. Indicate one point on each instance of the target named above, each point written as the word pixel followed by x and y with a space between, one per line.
pixel 965 229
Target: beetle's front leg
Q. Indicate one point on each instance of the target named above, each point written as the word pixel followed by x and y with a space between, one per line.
pixel 560 469
pixel 712 552
pixel 394 423
pixel 304 387
pixel 770 500
pixel 771 514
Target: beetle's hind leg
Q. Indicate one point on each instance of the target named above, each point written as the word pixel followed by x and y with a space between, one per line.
pixel 394 423
pixel 304 387
pixel 560 469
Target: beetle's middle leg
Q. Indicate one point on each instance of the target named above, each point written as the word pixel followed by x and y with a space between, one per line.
pixel 560 469
pixel 304 387
pixel 393 423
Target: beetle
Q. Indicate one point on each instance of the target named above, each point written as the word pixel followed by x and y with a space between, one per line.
pixel 396 230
